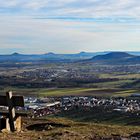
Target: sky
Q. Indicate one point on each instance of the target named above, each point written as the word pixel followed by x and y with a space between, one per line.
pixel 69 26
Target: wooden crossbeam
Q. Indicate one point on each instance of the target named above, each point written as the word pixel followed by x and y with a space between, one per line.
pixel 18 113
pixel 16 100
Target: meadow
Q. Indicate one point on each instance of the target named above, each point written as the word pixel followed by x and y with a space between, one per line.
pixel 58 92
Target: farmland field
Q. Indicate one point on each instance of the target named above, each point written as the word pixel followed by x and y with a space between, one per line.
pixel 50 92
pixel 72 80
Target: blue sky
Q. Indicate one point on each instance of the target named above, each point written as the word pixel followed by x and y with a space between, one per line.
pixel 69 26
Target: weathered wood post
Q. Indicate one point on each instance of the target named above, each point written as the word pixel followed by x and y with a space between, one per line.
pixel 11 119
pixel 11 109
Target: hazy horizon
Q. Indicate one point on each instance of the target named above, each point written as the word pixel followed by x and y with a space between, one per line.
pixel 12 53
pixel 71 26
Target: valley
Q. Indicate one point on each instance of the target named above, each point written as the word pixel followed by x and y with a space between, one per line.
pixel 113 86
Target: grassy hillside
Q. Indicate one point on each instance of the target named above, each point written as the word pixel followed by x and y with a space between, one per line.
pixel 102 115
pixel 66 129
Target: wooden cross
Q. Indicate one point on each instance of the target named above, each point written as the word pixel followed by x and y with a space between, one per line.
pixel 11 102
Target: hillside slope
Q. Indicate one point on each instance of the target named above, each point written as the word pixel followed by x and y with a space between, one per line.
pixel 115 58
pixel 65 129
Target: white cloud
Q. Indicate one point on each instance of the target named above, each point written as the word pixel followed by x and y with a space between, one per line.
pixel 38 36
pixel 33 35
pixel 87 8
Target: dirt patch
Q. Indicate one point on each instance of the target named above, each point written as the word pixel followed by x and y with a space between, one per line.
pixel 67 135
pixel 45 126
pixel 135 135
pixel 94 137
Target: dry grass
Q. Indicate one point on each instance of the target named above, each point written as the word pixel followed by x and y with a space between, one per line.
pixel 68 130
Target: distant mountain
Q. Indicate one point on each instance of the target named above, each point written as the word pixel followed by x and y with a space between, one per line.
pixel 81 55
pixel 94 57
pixel 16 57
pixel 48 57
pixel 118 58
pixel 16 54
pixel 113 55
pixel 134 53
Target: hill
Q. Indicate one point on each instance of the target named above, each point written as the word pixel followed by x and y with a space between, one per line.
pixel 94 57
pixel 113 55
pixel 115 58
pixel 16 57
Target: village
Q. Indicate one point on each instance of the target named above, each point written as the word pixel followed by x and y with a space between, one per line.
pixel 39 107
pixel 53 105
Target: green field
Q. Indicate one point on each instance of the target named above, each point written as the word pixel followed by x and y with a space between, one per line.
pixel 86 92
pixel 43 92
